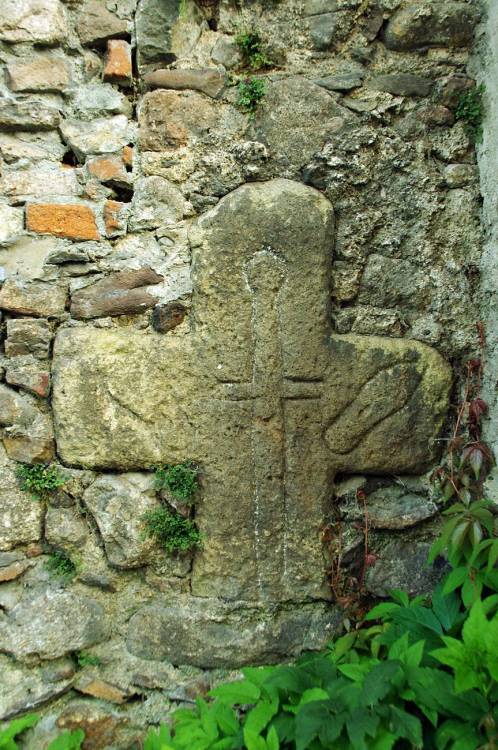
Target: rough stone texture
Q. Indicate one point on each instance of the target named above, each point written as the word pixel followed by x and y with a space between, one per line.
pixel 154 22
pixel 109 169
pixel 115 218
pixel 51 624
pixel 208 82
pixel 295 119
pixel 76 222
pixel 425 24
pixel 39 21
pixel 28 435
pixel 403 566
pixel 118 67
pixel 65 527
pixel 118 503
pixel 156 202
pixel 20 517
pixel 166 317
pixel 46 179
pixel 23 689
pixel 100 136
pixel 121 293
pixel 28 374
pixel 41 74
pixel 38 298
pixel 402 84
pixel 11 224
pixel 209 633
pixel 28 336
pixel 169 119
pixel 32 115
pixel 96 23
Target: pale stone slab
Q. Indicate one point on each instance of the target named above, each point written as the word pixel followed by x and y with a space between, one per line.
pixel 39 21
pixel 20 516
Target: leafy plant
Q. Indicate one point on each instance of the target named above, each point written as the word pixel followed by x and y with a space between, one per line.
pixel 60 564
pixel 66 741
pixel 470 110
pixel 181 480
pixel 172 531
pixel 250 93
pixel 84 659
pixel 251 46
pixel 40 480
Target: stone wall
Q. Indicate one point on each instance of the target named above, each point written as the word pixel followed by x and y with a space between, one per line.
pixel 283 297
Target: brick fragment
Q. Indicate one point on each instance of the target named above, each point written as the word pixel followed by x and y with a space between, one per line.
pixel 118 67
pixel 72 221
pixel 115 216
pixel 109 169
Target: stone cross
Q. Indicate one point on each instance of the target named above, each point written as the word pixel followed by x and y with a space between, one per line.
pixel 258 391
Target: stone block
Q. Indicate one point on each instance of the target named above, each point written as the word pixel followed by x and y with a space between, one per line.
pixel 23 688
pixel 169 119
pixel 156 202
pixel 28 436
pixel 209 82
pixel 168 316
pixel 118 65
pixel 32 115
pixel 322 30
pixel 68 220
pixel 96 23
pixel 41 181
pixel 28 374
pixel 431 24
pixel 41 73
pixel 154 23
pixel 109 169
pixel 122 293
pixel 26 145
pixel 97 100
pixel 38 298
pixel 35 21
pixel 100 136
pixel 402 84
pixel 402 565
pixel 65 527
pixel 20 517
pixel 11 224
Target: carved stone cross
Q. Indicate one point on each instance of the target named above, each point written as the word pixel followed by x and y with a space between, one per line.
pixel 258 392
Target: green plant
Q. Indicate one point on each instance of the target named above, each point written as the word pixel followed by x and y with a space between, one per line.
pixel 181 480
pixel 251 46
pixel 60 564
pixel 66 741
pixel 250 93
pixel 85 659
pixel 470 110
pixel 40 480
pixel 172 531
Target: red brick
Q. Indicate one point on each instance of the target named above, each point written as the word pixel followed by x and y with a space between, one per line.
pixel 118 67
pixel 73 221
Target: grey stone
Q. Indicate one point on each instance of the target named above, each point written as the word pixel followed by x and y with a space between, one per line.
pixel 69 254
pixel 28 336
pixel 20 516
pixel 11 224
pixel 22 689
pixel 32 115
pixel 317 7
pixel 118 503
pixel 322 30
pixel 154 23
pixel 207 81
pixel 459 175
pixel 97 24
pixel 403 565
pixel 35 21
pixel 51 624
pixel 226 52
pixel 156 202
pixel 390 506
pixel 29 374
pixel 46 179
pixel 99 99
pixel 384 282
pixel 340 82
pixel 431 24
pixel 64 527
pixel 209 633
pixel 169 119
pixel 28 436
pixel 36 145
pixel 122 293
pixel 295 119
pixel 402 84
pixel 100 136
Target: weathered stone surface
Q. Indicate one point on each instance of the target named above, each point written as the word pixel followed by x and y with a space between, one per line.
pixel 96 23
pixel 28 336
pixel 322 30
pixel 207 81
pixel 427 24
pixel 402 84
pixel 118 503
pixel 38 21
pixel 156 202
pixel 101 689
pixel 459 175
pixel 64 527
pixel 396 388
pixel 12 572
pixel 51 624
pixel 384 281
pixel 29 374
pixel 38 298
pixel 122 293
pixel 210 633
pixel 39 74
pixel 32 115
pixel 226 52
pixel 154 22
pixel 403 566
pixel 109 169
pixel 116 218
pixel 118 66
pixel 168 316
pixel 20 516
pixel 119 421
pixel 390 506
pixel 100 136
pixel 95 100
pixel 22 689
pixel 67 220
pixel 169 119
pixel 11 223
pixel 28 436
pixel 26 145
pixel 340 82
pixel 45 179
pixel 295 119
